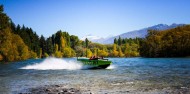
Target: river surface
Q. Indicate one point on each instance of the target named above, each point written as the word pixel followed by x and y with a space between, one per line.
pixel 125 75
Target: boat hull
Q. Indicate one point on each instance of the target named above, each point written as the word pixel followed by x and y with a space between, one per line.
pixel 95 64
pixel 97 67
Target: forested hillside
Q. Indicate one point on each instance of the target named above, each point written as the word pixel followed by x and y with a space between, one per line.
pixel 168 43
pixel 12 46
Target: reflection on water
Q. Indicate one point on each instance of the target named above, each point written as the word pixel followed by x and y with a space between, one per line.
pixel 126 75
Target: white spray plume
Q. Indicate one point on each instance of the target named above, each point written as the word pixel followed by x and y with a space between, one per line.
pixel 52 63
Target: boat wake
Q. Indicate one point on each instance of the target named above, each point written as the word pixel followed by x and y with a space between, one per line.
pixel 111 67
pixel 55 64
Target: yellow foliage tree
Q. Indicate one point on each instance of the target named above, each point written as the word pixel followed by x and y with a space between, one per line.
pixel 127 50
pixel 95 51
pixel 21 48
pixel 63 43
pixel 57 52
pixel 56 47
pixel 12 46
pixel 67 52
pixel 1 57
pixel 40 53
pixel 46 55
pixel 89 53
pixel 33 54
pixel 115 52
pixel 120 53
pixel 103 52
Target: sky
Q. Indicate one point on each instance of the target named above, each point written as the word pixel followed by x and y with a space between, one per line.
pixel 95 17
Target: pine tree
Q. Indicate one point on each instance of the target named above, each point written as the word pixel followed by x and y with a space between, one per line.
pixel 115 41
pixel 119 41
pixel 86 42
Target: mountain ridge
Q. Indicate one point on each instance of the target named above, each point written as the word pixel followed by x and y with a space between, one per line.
pixel 141 33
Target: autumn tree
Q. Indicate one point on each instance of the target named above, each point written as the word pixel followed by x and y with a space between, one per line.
pixel 115 52
pixel 167 43
pixel 103 52
pixel 12 47
pixel 62 43
pixel 127 50
pixel 88 53
pixel 120 53
pixel 57 52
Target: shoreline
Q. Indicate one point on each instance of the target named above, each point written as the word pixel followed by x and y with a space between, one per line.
pixel 51 89
pixel 62 89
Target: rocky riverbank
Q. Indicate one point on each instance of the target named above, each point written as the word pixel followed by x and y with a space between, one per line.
pixel 61 89
pixel 51 89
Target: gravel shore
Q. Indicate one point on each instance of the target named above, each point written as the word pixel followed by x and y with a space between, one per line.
pixel 51 89
pixel 61 89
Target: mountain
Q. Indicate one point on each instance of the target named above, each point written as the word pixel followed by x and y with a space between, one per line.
pixel 96 39
pixel 141 33
pixel 92 38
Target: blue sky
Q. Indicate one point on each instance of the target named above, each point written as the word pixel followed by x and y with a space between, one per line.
pixel 96 17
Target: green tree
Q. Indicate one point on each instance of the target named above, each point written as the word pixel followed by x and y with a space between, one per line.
pixel 79 51
pixel 86 42
pixel 123 41
pixel 115 41
pixel 50 46
pixel 43 44
pixel 4 19
pixel 74 41
pixel 119 41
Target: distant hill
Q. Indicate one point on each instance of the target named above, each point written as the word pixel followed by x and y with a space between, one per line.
pixel 137 33
pixel 92 38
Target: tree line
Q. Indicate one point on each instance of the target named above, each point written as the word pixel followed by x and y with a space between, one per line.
pixel 127 49
pixel 168 43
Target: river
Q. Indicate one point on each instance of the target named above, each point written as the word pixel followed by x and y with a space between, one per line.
pixel 125 75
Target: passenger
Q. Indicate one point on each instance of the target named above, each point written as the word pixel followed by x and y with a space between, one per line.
pixel 92 57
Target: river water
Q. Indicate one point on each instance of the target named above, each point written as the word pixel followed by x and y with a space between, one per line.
pixel 125 75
